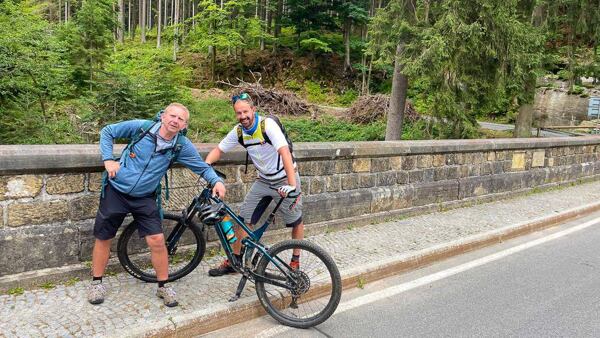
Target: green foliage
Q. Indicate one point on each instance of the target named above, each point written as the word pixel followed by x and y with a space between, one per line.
pixel 32 66
pixel 314 92
pixel 16 291
pixel 315 45
pixel 89 38
pixel 331 129
pixel 138 81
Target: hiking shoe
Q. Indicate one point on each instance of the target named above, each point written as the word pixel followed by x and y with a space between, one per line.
pixel 168 296
pixel 96 293
pixel 295 265
pixel 223 269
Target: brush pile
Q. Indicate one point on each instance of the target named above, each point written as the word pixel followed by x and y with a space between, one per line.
pixel 370 108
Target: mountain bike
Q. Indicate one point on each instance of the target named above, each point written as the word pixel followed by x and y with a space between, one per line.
pixel 300 297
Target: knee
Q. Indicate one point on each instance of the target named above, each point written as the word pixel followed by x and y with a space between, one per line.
pixel 156 242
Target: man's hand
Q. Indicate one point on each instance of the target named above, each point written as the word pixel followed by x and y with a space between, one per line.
pixel 112 167
pixel 284 190
pixel 219 190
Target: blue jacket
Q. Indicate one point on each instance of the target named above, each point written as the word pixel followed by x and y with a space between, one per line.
pixel 140 175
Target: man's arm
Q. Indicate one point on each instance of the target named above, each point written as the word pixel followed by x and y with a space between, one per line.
pixel 108 134
pixel 288 165
pixel 214 155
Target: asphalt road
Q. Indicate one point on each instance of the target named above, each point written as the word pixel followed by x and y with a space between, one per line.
pixel 541 285
pixel 543 133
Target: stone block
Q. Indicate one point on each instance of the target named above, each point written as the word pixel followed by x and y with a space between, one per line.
pixel 367 180
pixel 491 156
pixel 396 163
pixel 391 198
pixel 324 207
pixel 452 172
pixel 179 197
pixel 361 165
pixel 65 184
pixel 439 160
pixel 349 182
pixel 84 207
pixel 317 185
pixel 333 183
pixel 435 192
pixel 415 176
pixel 497 167
pixel 235 193
pixel 501 155
pixel 1 216
pixel 387 178
pixel 402 177
pixel 486 168
pixel 95 182
pixel 37 212
pixel 409 162
pixel 33 248
pixel 424 161
pixel 249 175
pixel 304 182
pixel 518 161
pixel 181 178
pixel 343 166
pixel 428 175
pixel 538 158
pixel 231 172
pixel 452 159
pixel 13 187
pixel 380 165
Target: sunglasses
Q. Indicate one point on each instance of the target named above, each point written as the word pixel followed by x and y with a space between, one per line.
pixel 242 96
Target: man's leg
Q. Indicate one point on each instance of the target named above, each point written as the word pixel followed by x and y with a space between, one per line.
pixel 159 256
pixel 160 262
pixel 100 256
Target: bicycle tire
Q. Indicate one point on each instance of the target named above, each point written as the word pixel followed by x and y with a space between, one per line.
pixel 277 301
pixel 134 254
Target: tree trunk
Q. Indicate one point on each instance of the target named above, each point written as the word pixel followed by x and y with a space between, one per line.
pixel 277 30
pixel 194 14
pixel 59 11
pixel 143 20
pixel 121 25
pixel 176 35
pixel 347 28
pixel 158 23
pixel 393 130
pixel 524 121
pixel 129 24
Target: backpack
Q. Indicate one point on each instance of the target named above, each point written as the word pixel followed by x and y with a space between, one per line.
pixel 173 154
pixel 266 139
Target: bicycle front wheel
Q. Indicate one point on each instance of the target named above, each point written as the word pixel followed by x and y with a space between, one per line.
pixel 315 287
pixel 185 253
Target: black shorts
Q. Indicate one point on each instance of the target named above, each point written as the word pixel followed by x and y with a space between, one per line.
pixel 114 206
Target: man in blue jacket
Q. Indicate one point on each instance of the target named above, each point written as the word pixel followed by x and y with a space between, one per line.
pixel 131 188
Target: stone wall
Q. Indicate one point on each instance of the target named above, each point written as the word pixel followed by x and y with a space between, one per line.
pixel 49 194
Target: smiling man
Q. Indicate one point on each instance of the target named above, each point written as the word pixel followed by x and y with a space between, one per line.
pixel 131 187
pixel 270 150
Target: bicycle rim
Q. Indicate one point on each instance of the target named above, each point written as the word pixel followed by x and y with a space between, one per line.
pixel 316 285
pixel 135 257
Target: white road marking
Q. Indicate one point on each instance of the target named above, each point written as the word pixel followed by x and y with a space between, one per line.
pixel 397 289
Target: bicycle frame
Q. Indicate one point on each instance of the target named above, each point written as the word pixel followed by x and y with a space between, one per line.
pixel 251 242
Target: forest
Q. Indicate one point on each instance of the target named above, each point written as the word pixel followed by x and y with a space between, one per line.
pixel 366 69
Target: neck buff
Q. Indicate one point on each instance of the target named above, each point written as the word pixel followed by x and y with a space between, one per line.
pixel 254 126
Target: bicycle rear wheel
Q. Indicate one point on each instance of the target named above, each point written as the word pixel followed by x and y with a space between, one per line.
pixel 184 254
pixel 316 285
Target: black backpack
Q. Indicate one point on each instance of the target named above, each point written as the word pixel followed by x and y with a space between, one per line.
pixel 240 135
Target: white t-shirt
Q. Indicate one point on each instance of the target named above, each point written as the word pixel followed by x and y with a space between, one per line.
pixel 264 156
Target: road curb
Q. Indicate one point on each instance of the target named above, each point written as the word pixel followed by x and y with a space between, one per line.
pixel 224 315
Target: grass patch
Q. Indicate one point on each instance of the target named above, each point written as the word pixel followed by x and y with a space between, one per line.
pixel 361 282
pixel 48 286
pixel 17 291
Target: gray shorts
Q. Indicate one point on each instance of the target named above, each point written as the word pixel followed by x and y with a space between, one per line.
pixel 260 196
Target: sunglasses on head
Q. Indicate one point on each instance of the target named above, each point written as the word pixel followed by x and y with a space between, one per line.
pixel 242 96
